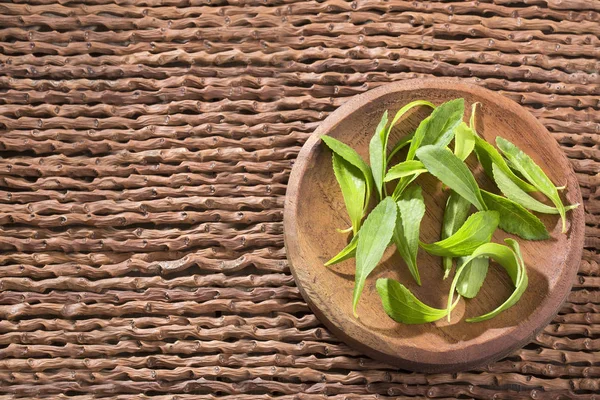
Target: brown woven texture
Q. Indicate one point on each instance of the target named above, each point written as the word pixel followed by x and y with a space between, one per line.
pixel 145 148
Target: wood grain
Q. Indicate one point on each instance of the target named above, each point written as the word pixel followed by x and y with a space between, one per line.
pixel 314 208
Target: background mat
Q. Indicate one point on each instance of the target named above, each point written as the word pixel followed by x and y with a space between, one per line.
pixel 145 148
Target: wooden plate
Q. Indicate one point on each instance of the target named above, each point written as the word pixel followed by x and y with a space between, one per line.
pixel 314 208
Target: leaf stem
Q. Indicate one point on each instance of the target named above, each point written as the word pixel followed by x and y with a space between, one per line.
pixel 347 230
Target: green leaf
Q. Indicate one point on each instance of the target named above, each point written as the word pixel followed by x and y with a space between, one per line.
pixel 504 255
pixel 407 139
pixel 403 169
pixel 347 252
pixel 352 183
pixel 514 218
pixel 476 230
pixel 402 306
pixel 518 195
pixel 373 239
pixel 377 153
pixel 411 207
pixel 488 155
pixel 520 281
pixel 471 279
pixel 464 141
pixel 403 184
pixel 407 107
pixel 400 144
pixel 455 215
pixel 534 175
pixel 418 138
pixel 438 128
pixel 348 154
pixel 514 246
pixel 453 172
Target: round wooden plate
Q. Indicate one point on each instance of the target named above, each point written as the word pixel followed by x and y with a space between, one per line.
pixel 314 208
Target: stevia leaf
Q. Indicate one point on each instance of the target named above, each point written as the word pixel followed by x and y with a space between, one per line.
pixel 476 230
pixel 347 252
pixel 403 169
pixel 471 279
pixel 514 246
pixel 444 120
pixel 534 175
pixel 522 163
pixel 407 139
pixel 403 184
pixel 455 214
pixel 453 172
pixel 488 155
pixel 411 207
pixel 378 153
pixel 418 138
pixel 514 218
pixel 349 154
pixel 500 253
pixel 378 144
pixel 402 306
pixel 373 238
pixel 407 107
pixel 438 128
pixel 400 144
pixel 352 183
pixel 464 141
pixel 518 195
pixel 520 281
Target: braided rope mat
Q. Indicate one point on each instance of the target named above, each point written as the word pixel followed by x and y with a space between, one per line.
pixel 145 148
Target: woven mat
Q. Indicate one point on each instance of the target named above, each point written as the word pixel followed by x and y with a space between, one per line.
pixel 145 148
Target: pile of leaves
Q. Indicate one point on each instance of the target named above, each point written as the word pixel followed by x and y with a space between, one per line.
pixel 396 219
